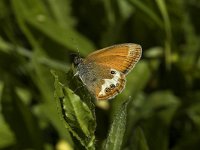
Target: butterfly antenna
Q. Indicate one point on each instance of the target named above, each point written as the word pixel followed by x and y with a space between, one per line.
pixel 76 74
pixel 77 48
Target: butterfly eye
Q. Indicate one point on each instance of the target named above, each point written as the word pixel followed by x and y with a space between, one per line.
pixel 112 86
pixel 107 89
pixel 113 72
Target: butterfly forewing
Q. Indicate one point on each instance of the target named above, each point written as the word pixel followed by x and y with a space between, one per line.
pixel 121 57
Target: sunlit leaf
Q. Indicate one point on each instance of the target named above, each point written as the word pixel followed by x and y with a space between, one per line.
pixel 76 115
pixel 118 127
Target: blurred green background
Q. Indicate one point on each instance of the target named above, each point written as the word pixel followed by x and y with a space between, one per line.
pixel 39 35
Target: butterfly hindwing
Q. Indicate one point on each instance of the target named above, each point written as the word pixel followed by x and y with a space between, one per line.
pixel 104 83
pixel 111 87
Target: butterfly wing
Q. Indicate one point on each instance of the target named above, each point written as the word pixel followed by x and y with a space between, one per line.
pixel 122 57
pixel 105 83
pixel 111 87
pixel 103 71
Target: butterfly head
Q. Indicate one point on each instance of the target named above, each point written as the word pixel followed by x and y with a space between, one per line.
pixel 77 60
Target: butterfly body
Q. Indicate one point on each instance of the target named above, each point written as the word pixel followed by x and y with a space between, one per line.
pixel 103 71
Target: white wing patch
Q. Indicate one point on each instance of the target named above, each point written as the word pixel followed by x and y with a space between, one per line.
pixel 108 82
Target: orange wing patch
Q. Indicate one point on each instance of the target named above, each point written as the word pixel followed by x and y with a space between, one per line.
pixel 121 57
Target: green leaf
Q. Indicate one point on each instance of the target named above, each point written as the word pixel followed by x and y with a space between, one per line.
pixel 20 119
pixel 76 115
pixel 138 77
pixel 61 10
pixel 193 113
pixel 7 138
pixel 160 107
pixel 44 82
pixel 157 102
pixel 163 9
pixel 158 114
pixel 37 18
pixel 138 140
pixel 118 127
pixel 143 6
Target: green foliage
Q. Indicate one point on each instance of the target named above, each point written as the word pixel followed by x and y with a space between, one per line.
pixel 40 108
pixel 76 115
pixel 116 133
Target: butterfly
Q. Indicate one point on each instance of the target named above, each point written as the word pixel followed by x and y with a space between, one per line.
pixel 104 71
